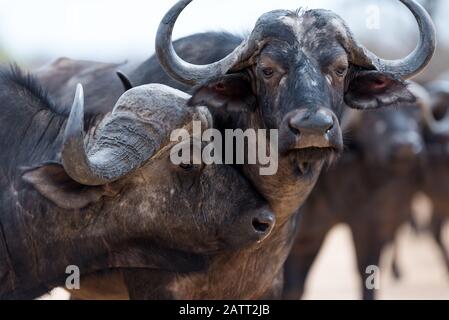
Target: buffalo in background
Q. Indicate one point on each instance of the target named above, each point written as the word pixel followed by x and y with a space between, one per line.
pixel 388 161
pixel 436 185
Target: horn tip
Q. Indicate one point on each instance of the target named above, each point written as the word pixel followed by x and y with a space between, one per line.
pixel 126 82
pixel 76 118
pixel 79 90
pixel 79 97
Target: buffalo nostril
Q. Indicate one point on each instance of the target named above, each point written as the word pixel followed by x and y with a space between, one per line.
pixel 325 123
pixel 294 129
pixel 330 128
pixel 261 226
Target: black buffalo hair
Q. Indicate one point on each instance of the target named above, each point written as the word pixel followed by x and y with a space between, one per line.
pixel 27 84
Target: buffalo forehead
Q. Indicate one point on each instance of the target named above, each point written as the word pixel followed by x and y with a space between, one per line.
pixel 323 30
pixel 312 30
pixel 280 25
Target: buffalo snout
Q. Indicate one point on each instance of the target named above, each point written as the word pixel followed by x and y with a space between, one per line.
pixel 306 129
pixel 252 226
pixel 407 146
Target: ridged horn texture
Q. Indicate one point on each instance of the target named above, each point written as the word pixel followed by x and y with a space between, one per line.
pixel 139 127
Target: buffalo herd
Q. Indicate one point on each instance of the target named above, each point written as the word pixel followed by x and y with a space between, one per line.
pixel 86 177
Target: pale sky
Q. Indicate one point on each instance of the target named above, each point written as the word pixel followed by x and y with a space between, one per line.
pixel 115 30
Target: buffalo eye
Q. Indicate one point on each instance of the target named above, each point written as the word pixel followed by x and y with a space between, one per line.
pixel 268 72
pixel 341 71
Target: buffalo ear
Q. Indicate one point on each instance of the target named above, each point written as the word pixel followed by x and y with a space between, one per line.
pixel 231 92
pixel 374 89
pixel 53 183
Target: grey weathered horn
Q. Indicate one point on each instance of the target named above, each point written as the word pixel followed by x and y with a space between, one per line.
pixel 424 102
pixel 101 168
pixel 74 156
pixel 414 63
pixel 139 126
pixel 181 70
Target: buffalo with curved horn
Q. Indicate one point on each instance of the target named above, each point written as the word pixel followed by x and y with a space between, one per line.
pixel 436 174
pixel 391 158
pixel 114 199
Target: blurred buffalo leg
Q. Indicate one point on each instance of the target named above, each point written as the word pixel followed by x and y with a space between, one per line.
pixel 303 254
pixel 437 228
pixel 368 247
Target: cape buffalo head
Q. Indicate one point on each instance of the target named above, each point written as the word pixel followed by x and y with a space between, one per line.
pixel 297 70
pixel 389 136
pixel 399 134
pixel 125 168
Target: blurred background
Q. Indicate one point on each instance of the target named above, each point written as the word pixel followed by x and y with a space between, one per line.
pixel 34 33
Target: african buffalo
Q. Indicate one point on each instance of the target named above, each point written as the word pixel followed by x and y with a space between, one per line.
pixel 294 73
pixel 436 183
pixel 112 198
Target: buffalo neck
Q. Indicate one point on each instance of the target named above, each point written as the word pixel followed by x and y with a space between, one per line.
pixel 43 241
pixel 285 191
pixel 249 273
pixel 102 236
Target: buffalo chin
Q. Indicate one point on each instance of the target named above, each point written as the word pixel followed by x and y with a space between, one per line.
pixel 308 161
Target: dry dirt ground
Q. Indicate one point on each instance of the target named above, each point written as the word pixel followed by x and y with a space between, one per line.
pixel 423 273
pixel 334 274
